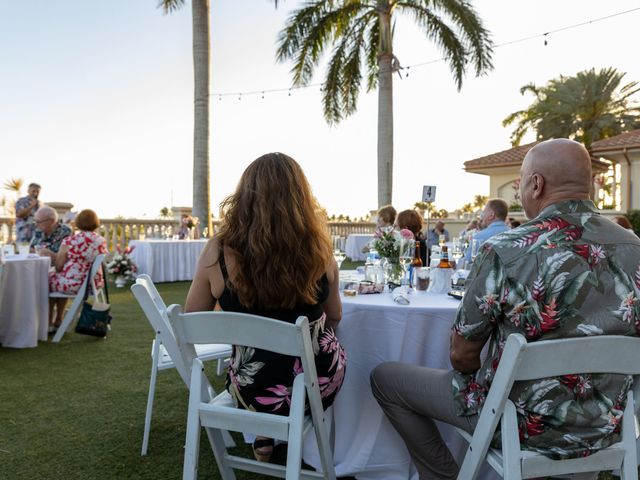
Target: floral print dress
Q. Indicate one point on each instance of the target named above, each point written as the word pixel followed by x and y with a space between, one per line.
pixel 84 247
pixel 262 381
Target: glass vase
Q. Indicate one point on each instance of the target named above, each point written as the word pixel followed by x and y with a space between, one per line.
pixel 393 271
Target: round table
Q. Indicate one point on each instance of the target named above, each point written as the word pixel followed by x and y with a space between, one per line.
pixel 375 329
pixel 24 300
pixel 354 244
pixel 167 260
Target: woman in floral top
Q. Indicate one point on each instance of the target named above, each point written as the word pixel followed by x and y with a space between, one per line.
pixel 256 265
pixel 74 260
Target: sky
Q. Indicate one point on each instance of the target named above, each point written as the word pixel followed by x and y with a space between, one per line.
pixel 96 101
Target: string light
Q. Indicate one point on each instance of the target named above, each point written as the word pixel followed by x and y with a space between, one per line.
pixel 544 36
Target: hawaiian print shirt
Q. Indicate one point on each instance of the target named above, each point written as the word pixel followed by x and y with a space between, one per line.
pixel 53 241
pixel 567 273
pixel 25 227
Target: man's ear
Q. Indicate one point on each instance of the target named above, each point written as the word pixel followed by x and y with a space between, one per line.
pixel 537 185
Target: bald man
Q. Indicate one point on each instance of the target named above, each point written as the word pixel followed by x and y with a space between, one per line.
pixel 568 272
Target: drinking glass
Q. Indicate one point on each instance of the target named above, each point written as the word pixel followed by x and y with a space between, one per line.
pixel 339 257
pixel 407 251
pixel 442 239
pixel 458 251
pixel 23 248
pixel 475 247
pixel 205 232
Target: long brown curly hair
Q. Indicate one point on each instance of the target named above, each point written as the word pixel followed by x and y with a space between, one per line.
pixel 273 225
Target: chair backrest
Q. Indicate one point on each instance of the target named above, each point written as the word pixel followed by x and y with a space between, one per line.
pixel 95 267
pixel 155 310
pixel 243 329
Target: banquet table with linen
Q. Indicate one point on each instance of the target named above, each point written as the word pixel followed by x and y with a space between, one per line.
pixel 24 300
pixel 167 260
pixel 375 329
pixel 354 244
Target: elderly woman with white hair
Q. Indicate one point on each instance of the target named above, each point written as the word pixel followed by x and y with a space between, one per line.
pixel 50 232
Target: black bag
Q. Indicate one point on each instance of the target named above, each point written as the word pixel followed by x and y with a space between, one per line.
pixel 94 322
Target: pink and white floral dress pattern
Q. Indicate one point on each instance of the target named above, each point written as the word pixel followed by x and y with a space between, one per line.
pixel 84 247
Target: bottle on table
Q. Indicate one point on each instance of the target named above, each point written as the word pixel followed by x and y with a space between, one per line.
pixel 444 258
pixel 415 263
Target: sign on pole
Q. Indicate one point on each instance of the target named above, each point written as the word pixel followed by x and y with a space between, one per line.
pixel 429 193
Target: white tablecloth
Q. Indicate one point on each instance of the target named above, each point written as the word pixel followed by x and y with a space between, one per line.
pixel 354 244
pixel 167 260
pixel 24 301
pixel 373 330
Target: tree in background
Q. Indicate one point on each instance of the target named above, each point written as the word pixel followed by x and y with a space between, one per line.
pixel 360 32
pixel 587 107
pixel 201 74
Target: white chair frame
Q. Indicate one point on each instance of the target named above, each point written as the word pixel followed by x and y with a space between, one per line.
pixel 78 298
pixel 164 347
pixel 528 361
pixel 219 413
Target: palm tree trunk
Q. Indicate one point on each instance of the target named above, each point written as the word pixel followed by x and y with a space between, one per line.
pixel 201 70
pixel 385 107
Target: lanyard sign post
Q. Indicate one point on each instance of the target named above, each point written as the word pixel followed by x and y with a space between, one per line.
pixel 428 196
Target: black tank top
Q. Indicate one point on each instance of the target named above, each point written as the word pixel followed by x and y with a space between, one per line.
pixel 229 301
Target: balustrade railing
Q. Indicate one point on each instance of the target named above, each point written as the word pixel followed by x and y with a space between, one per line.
pixel 119 232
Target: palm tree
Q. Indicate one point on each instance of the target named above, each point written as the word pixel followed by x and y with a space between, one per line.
pixel 362 35
pixel 201 69
pixel 587 107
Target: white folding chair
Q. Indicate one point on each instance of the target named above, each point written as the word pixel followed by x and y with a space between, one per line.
pixel 528 361
pixel 78 298
pixel 219 413
pixel 164 347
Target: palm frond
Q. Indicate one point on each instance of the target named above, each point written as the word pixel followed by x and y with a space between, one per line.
pixel 170 6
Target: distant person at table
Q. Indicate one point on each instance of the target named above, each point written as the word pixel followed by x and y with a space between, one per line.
pixel 578 282
pixel 73 262
pixel 623 222
pixel 433 235
pixel 492 222
pixel 49 232
pixel 513 223
pixel 386 217
pixel 26 208
pixel 412 221
pixel 255 264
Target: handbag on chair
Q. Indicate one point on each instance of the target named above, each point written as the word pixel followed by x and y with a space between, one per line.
pixel 95 317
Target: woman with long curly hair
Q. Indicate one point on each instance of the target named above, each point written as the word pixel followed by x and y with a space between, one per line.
pixel 273 257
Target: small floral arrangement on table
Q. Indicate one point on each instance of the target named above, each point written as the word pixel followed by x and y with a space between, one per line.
pixel 121 264
pixel 387 242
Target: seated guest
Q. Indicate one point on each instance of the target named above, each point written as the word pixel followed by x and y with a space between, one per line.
pixel 516 288
pixel 412 221
pixel 49 232
pixel 492 222
pixel 386 217
pixel 73 262
pixel 255 264
pixel 623 222
pixel 513 223
pixel 433 235
pixel 26 208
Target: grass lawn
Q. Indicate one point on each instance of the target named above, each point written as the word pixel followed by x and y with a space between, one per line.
pixel 75 410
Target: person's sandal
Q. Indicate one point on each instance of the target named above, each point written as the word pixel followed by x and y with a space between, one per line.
pixel 263 449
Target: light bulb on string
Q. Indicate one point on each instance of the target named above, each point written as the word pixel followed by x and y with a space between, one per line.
pixel 545 39
pixel 263 95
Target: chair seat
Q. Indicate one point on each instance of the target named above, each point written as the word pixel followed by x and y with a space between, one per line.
pixel 61 295
pixel 209 351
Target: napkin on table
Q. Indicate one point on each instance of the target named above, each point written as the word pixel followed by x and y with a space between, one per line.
pixel 400 296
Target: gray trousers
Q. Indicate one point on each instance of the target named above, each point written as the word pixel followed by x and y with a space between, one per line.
pixel 412 397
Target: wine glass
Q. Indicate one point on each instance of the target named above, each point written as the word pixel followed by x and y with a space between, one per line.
pixel 407 252
pixel 475 247
pixel 339 257
pixel 458 250
pixel 442 239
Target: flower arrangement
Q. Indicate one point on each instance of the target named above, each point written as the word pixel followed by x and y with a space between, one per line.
pixel 189 221
pixel 388 242
pixel 121 264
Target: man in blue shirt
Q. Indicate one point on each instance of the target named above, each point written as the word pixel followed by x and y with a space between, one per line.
pixel 492 221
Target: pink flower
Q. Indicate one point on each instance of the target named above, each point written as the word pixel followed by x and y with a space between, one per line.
pixel 406 234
